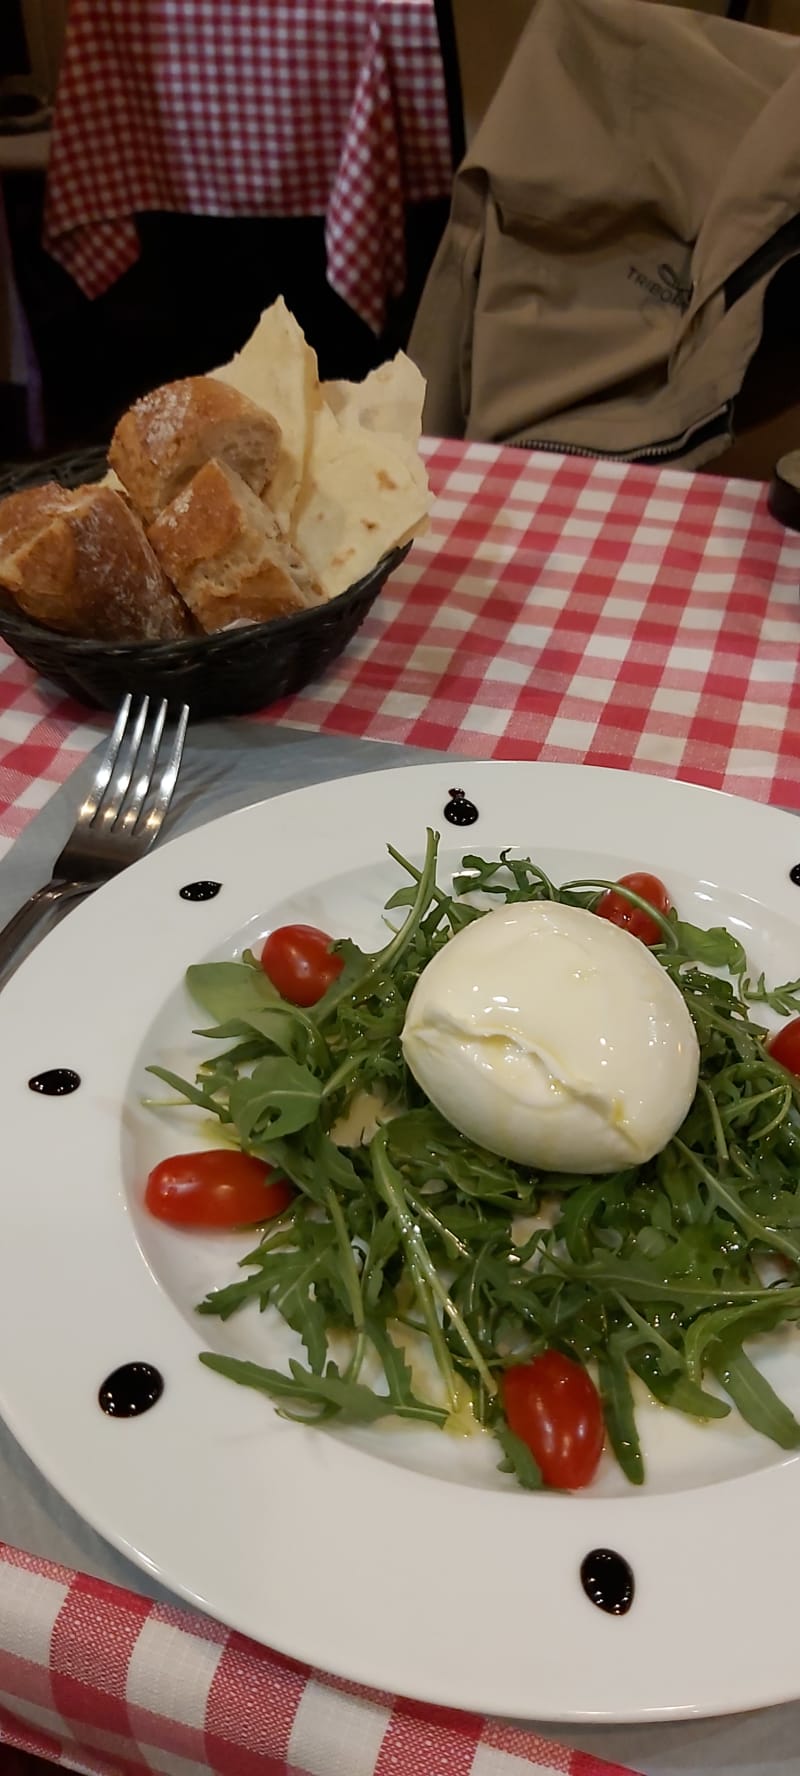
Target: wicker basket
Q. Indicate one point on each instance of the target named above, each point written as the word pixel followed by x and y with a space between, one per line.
pixel 231 673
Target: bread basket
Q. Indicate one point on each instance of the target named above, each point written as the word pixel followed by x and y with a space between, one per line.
pixel 230 673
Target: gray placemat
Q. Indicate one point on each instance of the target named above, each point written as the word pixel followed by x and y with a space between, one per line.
pixel 228 765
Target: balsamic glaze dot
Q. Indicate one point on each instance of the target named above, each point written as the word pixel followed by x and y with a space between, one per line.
pixel 200 890
pixel 131 1390
pixel 794 875
pixel 460 811
pixel 608 1581
pixel 57 1082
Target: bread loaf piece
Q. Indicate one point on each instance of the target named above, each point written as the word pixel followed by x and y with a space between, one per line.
pixel 224 551
pixel 166 436
pixel 77 560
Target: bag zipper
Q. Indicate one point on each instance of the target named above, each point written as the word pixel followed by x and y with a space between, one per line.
pixel 655 453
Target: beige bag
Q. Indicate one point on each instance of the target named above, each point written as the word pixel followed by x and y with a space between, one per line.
pixel 631 192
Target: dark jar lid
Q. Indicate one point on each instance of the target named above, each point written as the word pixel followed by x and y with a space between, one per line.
pixel 783 498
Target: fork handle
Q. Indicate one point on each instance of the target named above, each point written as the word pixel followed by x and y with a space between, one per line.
pixel 15 936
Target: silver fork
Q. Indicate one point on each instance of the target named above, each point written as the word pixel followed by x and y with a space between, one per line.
pixel 120 818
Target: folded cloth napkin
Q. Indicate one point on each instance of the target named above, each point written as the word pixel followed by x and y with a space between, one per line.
pixel 106 1682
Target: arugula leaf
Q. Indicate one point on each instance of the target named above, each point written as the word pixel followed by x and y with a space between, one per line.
pixel 676 1390
pixel 785 1000
pixel 517 1458
pixel 715 948
pixel 619 1415
pixel 429 1286
pixel 731 1199
pixel 310 1160
pixel 271 1027
pixel 426 1146
pixel 514 878
pixel 729 1326
pixel 230 989
pixel 199 1095
pixel 399 1378
pixel 285 1280
pixel 277 1099
pixel 752 1395
pixel 330 1392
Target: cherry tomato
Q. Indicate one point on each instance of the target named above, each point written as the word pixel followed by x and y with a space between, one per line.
pixel 553 1405
pixel 784 1046
pixel 299 962
pixel 220 1188
pixel 619 911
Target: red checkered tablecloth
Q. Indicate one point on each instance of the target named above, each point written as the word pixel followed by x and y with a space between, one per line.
pixel 266 108
pixel 559 608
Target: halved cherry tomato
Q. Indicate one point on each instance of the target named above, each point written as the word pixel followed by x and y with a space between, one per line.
pixel 299 962
pixel 219 1188
pixel 619 911
pixel 784 1046
pixel 553 1405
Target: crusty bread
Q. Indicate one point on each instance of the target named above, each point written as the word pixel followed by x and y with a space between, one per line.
pixel 77 560
pixel 166 436
pixel 225 553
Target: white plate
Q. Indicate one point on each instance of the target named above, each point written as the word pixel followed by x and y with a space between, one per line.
pixel 399 1560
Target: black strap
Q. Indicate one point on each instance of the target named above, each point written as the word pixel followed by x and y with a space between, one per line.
pixel 783 244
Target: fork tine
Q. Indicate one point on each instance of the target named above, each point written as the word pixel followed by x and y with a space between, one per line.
pixel 98 788
pixel 150 827
pixel 148 753
pixel 111 802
